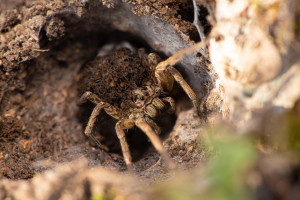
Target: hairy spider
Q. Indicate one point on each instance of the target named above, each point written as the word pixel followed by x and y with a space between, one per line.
pixel 132 88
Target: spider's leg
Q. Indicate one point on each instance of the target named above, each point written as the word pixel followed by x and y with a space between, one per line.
pixel 120 126
pixel 180 80
pixel 90 125
pixel 89 96
pixel 156 142
pixel 185 86
pixel 172 60
pixel 109 109
pixel 164 68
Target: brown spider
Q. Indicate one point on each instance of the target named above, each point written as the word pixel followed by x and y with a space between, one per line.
pixel 132 88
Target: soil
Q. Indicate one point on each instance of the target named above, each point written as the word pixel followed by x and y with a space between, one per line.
pixel 43 45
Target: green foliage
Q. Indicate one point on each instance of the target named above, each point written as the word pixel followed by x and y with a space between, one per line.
pixel 97 197
pixel 109 194
pixel 229 169
pixel 223 177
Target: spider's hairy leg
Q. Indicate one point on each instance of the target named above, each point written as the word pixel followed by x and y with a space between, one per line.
pixel 186 87
pixel 146 128
pixel 172 60
pixel 120 126
pixel 180 80
pixel 109 109
pixel 164 70
pixel 90 125
pixel 89 96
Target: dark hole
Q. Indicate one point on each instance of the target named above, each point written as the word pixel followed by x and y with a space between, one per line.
pixel 187 13
pixel 203 20
pixel 105 125
pixel 90 40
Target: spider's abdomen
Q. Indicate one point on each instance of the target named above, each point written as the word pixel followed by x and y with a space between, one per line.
pixel 113 77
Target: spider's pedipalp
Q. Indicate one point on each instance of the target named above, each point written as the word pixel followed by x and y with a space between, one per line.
pixel 171 101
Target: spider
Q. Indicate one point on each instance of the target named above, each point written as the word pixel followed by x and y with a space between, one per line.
pixel 133 88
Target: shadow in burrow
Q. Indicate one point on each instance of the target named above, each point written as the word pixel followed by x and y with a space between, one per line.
pixel 74 40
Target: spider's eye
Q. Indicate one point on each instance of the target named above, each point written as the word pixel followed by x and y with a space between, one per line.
pixel 141 98
pixel 146 93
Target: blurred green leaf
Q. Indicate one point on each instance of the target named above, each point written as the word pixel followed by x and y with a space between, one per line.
pixel 97 197
pixel 229 169
pixel 223 177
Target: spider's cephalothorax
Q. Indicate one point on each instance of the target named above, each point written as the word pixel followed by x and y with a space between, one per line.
pixel 132 88
pixel 149 100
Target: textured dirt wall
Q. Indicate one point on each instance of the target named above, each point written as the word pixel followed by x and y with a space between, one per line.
pixel 43 46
